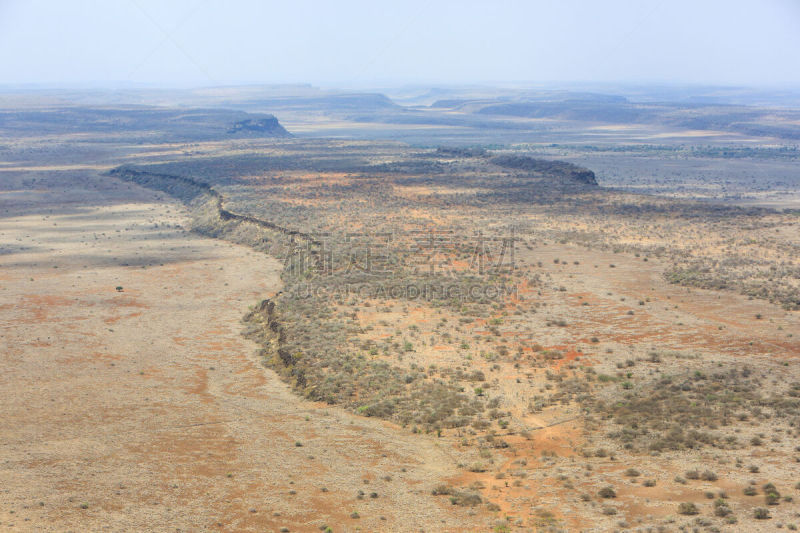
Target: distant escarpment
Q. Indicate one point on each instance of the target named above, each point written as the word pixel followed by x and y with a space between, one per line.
pixel 139 123
pixel 216 219
pixel 546 166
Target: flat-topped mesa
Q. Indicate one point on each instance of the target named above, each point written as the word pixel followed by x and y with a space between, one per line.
pixel 266 124
pixel 546 166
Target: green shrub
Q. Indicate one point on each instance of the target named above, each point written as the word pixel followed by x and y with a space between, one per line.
pixel 721 508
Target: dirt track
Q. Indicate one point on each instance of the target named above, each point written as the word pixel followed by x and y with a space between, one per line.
pixel 144 409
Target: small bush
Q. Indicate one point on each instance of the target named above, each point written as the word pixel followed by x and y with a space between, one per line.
pixel 721 508
pixel 772 498
pixel 760 513
pixel 607 492
pixel 708 475
pixel 687 508
pixel 439 490
pixel 465 499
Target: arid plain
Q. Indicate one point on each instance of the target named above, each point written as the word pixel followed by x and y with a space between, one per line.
pixel 201 332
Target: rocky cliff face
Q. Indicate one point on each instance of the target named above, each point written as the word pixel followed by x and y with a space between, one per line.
pixel 264 327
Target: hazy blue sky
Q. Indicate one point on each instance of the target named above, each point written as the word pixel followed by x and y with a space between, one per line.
pixel 362 43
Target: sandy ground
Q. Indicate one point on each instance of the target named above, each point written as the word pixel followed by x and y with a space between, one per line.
pixel 143 409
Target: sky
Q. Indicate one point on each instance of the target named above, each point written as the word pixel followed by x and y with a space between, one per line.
pixel 348 43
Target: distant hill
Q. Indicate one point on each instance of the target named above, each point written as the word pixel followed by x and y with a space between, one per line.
pixel 602 109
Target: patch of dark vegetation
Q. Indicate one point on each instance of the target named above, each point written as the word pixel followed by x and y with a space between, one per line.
pixel 746 275
pixel 546 166
pixel 464 498
pixel 461 152
pixel 693 409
